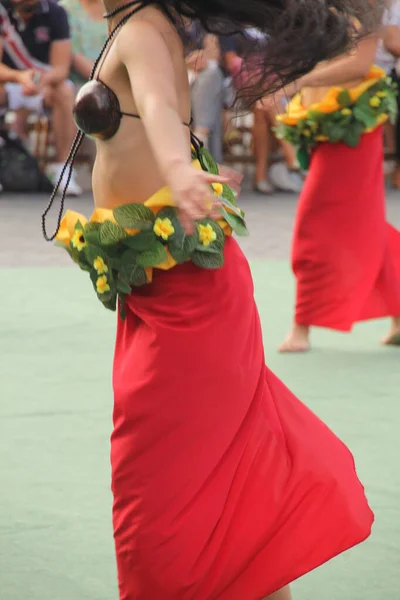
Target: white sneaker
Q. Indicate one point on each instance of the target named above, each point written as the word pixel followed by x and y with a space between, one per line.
pixel 54 171
pixel 285 180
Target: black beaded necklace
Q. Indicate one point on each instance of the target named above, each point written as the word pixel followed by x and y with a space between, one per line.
pixel 137 5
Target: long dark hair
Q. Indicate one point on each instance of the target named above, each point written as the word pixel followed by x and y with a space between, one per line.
pixel 299 33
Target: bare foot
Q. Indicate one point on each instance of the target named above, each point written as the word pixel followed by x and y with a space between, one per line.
pixel 298 340
pixel 393 337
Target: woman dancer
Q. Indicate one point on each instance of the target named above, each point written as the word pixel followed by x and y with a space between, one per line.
pixel 345 256
pixel 225 486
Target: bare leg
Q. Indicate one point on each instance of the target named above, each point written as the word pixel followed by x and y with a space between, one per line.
pixel 261 140
pixel 298 339
pixel 393 337
pixel 283 594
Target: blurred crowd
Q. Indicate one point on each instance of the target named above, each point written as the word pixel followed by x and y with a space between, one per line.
pixel 48 49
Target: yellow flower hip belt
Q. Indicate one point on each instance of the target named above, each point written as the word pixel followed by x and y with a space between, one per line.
pixel 120 248
pixel 343 115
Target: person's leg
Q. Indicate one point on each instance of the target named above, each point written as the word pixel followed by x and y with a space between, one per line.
pixel 207 94
pixel 3 97
pixel 297 340
pixel 61 101
pixel 393 337
pixel 216 133
pixel 283 594
pixel 261 143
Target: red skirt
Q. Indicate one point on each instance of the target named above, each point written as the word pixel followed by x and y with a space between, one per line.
pixel 346 257
pixel 226 487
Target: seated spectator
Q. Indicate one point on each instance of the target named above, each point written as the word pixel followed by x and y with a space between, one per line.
pixel 88 34
pixel 207 86
pixel 35 51
pixel 283 175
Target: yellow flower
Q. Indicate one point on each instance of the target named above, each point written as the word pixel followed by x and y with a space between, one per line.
pixel 345 112
pixel 381 94
pixel 374 101
pixel 78 241
pixel 100 265
pixel 67 226
pixel 218 188
pixel 306 132
pixel 163 228
pixel 206 234
pixel 102 285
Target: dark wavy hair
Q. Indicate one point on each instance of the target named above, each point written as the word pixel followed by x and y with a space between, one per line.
pixel 299 33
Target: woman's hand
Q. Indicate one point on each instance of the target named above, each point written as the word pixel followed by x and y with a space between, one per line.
pixel 193 194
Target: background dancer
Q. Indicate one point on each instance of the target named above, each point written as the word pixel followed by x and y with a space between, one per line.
pixel 345 256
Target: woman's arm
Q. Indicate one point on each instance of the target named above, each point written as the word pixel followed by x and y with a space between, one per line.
pixel 349 67
pixel 391 39
pixel 143 51
pixel 145 54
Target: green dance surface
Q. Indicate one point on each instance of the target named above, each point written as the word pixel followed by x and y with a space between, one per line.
pixel 56 346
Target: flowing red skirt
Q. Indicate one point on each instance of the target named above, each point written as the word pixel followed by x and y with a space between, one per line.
pixel 346 257
pixel 225 485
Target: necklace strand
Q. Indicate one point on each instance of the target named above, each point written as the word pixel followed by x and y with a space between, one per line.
pixel 138 4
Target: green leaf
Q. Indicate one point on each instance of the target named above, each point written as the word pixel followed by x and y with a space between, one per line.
pixel 233 207
pixel 237 223
pixel 353 134
pixel 153 257
pixel 304 158
pixel 111 234
pixel 316 115
pixel 141 241
pixel 208 260
pixel 91 226
pixel 182 249
pixel 110 303
pixel 364 114
pixel 78 226
pixel 334 132
pixel 74 254
pixel 207 162
pixel 84 266
pixel 93 237
pixel 123 286
pixel 93 252
pixel 228 194
pixel 135 275
pixel 134 216
pixel 344 98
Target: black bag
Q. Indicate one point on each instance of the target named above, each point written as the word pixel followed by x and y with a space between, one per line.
pixel 19 170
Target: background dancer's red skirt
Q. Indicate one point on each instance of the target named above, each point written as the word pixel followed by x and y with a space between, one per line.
pixel 225 486
pixel 345 256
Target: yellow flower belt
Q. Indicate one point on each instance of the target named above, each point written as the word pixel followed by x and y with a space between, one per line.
pixel 342 115
pixel 121 247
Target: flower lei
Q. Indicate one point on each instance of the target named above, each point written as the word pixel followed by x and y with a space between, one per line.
pixel 120 248
pixel 342 116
